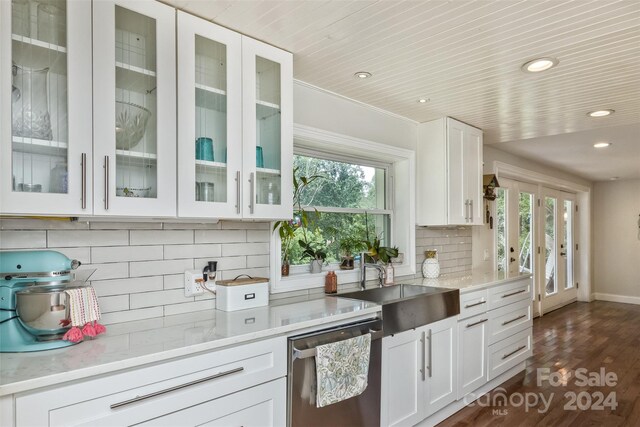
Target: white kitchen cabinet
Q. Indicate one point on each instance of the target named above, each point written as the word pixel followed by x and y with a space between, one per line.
pixel 134 85
pixel 401 387
pixel 234 95
pixel 209 119
pixel 236 385
pixel 419 372
pixel 45 108
pixel 267 138
pixel 472 345
pixel 449 174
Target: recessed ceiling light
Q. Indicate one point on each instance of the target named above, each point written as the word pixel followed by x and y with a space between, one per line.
pixel 423 100
pixel 539 64
pixel 601 144
pixel 600 113
pixel 614 178
pixel 363 74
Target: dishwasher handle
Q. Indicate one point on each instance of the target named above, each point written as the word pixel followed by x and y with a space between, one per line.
pixel 311 352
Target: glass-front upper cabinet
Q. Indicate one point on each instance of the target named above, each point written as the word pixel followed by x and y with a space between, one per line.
pixel 209 119
pixel 267 130
pixel 134 107
pixel 45 105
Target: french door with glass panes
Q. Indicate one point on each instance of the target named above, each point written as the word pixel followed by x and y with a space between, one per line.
pixel 267 131
pixel 45 107
pixel 556 280
pixel 516 237
pixel 134 108
pixel 209 119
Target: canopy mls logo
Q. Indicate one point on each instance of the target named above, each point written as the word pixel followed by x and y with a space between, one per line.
pixel 501 402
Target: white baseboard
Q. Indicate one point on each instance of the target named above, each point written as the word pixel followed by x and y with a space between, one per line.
pixel 617 298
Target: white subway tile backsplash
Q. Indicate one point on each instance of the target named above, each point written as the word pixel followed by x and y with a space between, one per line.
pixel 159 268
pixel 69 238
pixel 163 237
pixel 232 249
pixel 220 236
pixel 81 254
pixel 173 281
pixel 253 272
pixel 453 246
pixel 224 263
pixel 125 225
pixel 188 307
pixel 258 261
pixel 23 239
pixel 131 315
pixel 114 303
pixel 190 226
pixel 153 299
pixel 258 236
pixel 237 225
pixel 118 270
pixel 126 253
pixel 39 224
pixel 192 251
pixel 127 286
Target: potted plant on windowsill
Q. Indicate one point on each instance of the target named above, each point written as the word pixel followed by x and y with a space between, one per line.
pixel 382 255
pixel 316 253
pixel 348 247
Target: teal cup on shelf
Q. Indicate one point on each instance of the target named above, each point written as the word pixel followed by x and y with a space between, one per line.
pixel 259 157
pixel 204 149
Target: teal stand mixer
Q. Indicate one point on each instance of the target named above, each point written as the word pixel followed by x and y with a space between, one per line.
pixel 34 311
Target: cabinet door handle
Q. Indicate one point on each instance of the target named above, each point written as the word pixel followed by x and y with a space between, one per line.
pixel 514 351
pixel 514 293
pixel 106 183
pixel 83 191
pixel 423 369
pixel 238 192
pixel 471 210
pixel 476 323
pixel 513 320
pixel 178 387
pixel 473 305
pixel 466 210
pixel 430 365
pixel 252 193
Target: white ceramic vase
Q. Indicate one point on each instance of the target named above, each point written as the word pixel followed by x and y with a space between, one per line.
pixel 430 266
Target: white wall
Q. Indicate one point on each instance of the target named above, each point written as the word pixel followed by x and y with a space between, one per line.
pixel 323 110
pixel 616 240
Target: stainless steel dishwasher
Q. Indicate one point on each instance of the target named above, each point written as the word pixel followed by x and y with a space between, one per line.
pixel 362 410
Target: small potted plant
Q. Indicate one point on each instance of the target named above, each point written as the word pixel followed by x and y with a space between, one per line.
pixel 316 252
pixel 348 247
pixel 383 255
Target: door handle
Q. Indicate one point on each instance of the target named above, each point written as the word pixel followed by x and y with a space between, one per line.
pixel 563 254
pixel 471 210
pixel 238 192
pixel 466 210
pixel 514 293
pixel 511 259
pixel 514 351
pixel 514 319
pixel 252 193
pixel 476 323
pixel 83 192
pixel 423 369
pixel 430 365
pixel 106 183
pixel 473 305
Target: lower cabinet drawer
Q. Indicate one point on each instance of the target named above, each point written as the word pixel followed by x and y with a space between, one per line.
pixel 140 394
pixel 510 293
pixel 509 352
pixel 473 303
pixel 510 319
pixel 260 406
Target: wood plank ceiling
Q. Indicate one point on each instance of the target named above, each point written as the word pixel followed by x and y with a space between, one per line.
pixel 465 56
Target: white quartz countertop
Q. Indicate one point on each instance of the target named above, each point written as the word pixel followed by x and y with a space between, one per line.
pixel 469 281
pixel 133 344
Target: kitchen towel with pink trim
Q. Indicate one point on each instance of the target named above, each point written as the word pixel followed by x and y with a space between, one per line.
pixel 84 313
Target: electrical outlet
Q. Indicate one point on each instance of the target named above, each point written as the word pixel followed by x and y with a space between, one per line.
pixel 193 282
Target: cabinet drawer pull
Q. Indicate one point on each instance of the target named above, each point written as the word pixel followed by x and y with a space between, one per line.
pixel 178 387
pixel 514 293
pixel 476 323
pixel 513 320
pixel 83 189
pixel 473 305
pixel 514 352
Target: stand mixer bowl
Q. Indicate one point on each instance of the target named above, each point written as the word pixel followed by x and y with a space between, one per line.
pixel 44 310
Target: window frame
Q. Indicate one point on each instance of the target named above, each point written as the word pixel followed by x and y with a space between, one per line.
pixel 332 146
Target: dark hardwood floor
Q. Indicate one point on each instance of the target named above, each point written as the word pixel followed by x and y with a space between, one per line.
pixel 593 336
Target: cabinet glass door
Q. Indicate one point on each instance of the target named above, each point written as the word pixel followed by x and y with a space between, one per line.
pixel 134 104
pixel 46 107
pixel 209 119
pixel 268 128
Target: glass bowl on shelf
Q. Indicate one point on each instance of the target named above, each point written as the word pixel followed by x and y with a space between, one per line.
pixel 131 123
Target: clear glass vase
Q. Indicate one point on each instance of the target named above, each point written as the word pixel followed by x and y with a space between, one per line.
pixel 30 109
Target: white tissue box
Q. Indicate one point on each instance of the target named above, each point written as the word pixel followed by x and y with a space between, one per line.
pixel 240 294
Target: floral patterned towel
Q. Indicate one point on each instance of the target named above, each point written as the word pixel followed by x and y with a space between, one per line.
pixel 342 369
